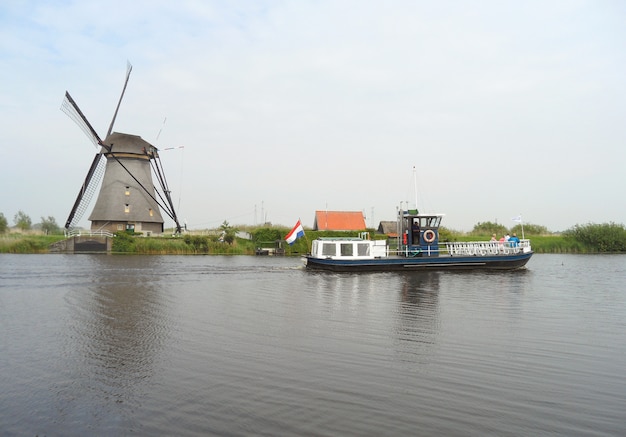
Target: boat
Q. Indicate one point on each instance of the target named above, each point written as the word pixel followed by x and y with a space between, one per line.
pixel 417 247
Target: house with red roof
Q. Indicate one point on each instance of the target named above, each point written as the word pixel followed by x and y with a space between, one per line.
pixel 339 221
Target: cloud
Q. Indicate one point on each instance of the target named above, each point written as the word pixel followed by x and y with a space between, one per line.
pixel 299 105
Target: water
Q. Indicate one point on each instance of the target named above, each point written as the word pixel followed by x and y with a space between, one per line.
pixel 210 345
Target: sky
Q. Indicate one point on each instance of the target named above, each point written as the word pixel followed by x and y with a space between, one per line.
pixel 482 110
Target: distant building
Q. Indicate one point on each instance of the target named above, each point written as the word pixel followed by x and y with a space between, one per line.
pixel 388 228
pixel 339 221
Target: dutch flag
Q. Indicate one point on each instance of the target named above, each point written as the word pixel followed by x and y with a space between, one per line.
pixel 295 233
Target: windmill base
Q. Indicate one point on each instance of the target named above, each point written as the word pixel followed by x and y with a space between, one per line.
pixel 84 244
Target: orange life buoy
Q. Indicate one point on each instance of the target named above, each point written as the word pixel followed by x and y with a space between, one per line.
pixel 404 238
pixel 429 236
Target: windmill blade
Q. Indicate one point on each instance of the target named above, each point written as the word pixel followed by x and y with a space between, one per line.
pixel 129 68
pixel 93 178
pixel 72 110
pixel 157 167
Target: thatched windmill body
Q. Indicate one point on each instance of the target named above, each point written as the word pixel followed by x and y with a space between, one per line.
pixel 128 199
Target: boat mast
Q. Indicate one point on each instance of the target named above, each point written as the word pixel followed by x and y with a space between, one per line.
pixel 415 187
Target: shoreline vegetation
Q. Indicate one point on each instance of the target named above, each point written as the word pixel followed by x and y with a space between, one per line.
pixel 228 240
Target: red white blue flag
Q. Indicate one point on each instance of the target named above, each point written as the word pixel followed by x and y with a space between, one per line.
pixel 295 233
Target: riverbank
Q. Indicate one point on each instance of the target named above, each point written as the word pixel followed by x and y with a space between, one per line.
pixel 199 244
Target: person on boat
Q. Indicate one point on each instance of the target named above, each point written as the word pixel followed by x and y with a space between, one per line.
pixel 514 240
pixel 493 237
pixel 501 244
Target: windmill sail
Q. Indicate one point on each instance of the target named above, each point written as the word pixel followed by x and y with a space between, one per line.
pixel 157 167
pixel 93 178
pixel 72 110
pixel 129 68
pixel 96 170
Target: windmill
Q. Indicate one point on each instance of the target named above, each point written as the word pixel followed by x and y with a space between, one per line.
pixel 128 199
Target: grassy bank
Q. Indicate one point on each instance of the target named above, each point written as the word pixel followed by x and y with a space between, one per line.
pixel 19 243
pixel 192 245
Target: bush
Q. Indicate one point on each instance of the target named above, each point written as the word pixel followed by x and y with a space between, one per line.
pixel 489 228
pixel 268 234
pixel 199 243
pixel 3 224
pixel 123 242
pixel 606 237
pixel 530 229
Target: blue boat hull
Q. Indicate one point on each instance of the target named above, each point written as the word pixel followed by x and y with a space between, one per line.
pixel 398 263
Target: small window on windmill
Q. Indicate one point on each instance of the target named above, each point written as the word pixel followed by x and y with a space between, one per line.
pixel 151 212
pixel 127 208
pixel 127 192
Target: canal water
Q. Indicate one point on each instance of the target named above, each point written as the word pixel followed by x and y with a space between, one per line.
pixel 211 345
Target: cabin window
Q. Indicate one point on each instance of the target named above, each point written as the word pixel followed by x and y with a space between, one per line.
pixel 127 208
pixel 347 249
pixel 407 223
pixel 363 249
pixel 329 249
pixel 127 192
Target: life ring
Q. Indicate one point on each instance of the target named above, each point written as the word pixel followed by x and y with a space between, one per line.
pixel 429 236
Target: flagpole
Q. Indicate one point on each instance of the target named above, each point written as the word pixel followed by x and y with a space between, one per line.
pixel 521 221
pixel 305 237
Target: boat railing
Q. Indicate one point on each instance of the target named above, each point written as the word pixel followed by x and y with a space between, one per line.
pixel 467 248
pixel 483 248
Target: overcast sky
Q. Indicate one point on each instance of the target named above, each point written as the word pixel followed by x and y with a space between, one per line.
pixel 288 107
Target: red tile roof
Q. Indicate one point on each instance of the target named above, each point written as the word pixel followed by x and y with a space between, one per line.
pixel 339 221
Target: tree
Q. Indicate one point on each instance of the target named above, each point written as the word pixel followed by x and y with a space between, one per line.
pixel 228 232
pixel 22 221
pixel 3 223
pixel 49 225
pixel 530 229
pixel 488 228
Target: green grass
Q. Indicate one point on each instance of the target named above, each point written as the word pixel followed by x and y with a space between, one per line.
pixel 191 245
pixel 18 243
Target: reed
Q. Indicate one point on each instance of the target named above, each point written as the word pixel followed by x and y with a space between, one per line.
pixel 19 243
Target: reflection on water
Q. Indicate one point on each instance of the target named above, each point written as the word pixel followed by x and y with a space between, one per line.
pixel 115 345
pixel 417 324
pixel 117 326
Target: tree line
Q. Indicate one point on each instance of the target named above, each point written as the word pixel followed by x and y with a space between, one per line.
pixel 591 237
pixel 23 222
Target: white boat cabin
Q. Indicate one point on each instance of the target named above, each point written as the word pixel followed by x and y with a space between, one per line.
pixel 348 248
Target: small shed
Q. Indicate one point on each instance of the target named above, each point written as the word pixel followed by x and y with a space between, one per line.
pixel 388 228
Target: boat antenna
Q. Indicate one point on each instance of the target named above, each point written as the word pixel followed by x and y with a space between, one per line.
pixel 415 187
